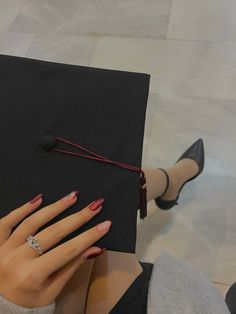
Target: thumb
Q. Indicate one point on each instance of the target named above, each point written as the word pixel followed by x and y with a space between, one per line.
pixel 62 276
pixel 92 252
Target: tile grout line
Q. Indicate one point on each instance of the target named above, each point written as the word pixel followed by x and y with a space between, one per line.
pixel 23 4
pixel 31 43
pixel 99 37
pixel 126 37
pixel 170 13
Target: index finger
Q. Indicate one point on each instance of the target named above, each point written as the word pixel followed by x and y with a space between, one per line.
pixel 58 257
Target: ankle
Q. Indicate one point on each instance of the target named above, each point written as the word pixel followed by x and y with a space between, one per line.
pixel 173 176
pixel 166 180
pixel 174 183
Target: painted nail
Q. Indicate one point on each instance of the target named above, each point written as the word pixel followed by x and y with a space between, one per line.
pixel 70 196
pixel 36 198
pixel 95 254
pixel 96 204
pixel 104 225
pixel 76 193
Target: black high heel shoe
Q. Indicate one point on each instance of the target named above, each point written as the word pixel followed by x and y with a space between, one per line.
pixel 195 152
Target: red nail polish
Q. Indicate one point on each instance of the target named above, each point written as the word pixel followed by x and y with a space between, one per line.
pixel 36 198
pixel 95 254
pixel 96 204
pixel 76 193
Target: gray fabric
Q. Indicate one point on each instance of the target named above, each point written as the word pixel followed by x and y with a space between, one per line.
pixel 7 307
pixel 177 288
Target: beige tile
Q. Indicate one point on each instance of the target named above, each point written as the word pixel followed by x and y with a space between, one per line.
pixel 63 48
pixel 184 68
pixel 201 229
pixel 118 18
pixel 138 18
pixel 15 44
pixel 174 123
pixel 198 230
pixel 40 17
pixel 212 20
pixel 8 12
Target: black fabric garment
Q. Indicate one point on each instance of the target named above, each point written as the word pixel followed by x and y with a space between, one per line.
pixel 134 300
pixel 230 299
pixel 102 110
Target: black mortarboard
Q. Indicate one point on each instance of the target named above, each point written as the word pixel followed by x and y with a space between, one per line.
pixel 43 105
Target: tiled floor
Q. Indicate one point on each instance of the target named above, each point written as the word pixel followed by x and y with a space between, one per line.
pixel 189 48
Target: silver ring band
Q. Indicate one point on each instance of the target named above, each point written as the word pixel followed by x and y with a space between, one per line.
pixel 34 243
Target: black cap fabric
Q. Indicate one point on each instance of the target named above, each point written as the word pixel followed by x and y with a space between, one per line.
pixel 99 109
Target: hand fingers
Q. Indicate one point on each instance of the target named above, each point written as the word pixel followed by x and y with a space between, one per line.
pixel 58 280
pixel 8 222
pixel 64 253
pixel 56 232
pixel 31 224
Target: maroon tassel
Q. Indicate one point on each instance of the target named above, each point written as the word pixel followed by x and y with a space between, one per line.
pixel 142 197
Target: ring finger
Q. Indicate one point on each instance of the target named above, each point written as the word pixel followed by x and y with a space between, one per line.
pixel 51 235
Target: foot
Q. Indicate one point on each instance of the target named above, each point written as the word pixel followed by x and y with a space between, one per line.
pixel 182 171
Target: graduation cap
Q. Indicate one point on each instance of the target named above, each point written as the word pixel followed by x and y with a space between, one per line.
pixel 66 127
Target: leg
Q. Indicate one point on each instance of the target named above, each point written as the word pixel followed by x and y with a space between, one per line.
pixel 109 268
pixel 178 174
pixel 72 298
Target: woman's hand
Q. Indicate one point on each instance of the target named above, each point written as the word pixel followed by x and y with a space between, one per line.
pixel 32 280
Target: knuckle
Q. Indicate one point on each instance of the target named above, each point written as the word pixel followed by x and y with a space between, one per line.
pixel 93 234
pixel 57 206
pixel 28 280
pixel 6 221
pixel 58 232
pixel 52 207
pixel 31 278
pixel 30 221
pixel 8 261
pixel 60 204
pixel 83 214
pixel 24 277
pixel 97 234
pixel 69 251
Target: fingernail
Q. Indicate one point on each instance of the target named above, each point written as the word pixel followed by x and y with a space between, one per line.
pixel 76 193
pixel 70 196
pixel 96 204
pixel 104 225
pixel 95 254
pixel 36 198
